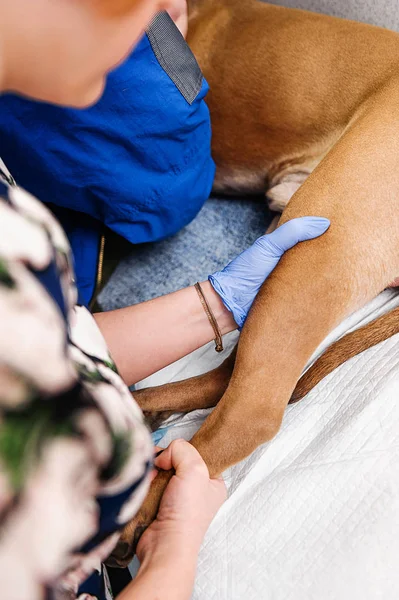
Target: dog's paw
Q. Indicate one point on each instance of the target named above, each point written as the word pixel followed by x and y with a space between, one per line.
pixel 155 419
pixel 126 548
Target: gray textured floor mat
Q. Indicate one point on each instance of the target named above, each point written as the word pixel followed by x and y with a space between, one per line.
pixel 223 229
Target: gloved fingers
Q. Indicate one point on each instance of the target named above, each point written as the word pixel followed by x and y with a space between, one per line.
pixel 291 233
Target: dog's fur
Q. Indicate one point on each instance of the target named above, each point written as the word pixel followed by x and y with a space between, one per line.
pixel 303 106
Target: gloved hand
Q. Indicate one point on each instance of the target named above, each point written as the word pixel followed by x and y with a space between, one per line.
pixel 241 280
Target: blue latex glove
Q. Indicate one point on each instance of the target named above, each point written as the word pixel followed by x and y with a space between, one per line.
pixel 241 280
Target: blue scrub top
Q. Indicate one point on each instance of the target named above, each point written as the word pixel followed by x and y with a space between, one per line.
pixel 138 162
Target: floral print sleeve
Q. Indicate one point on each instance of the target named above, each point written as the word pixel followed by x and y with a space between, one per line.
pixel 75 454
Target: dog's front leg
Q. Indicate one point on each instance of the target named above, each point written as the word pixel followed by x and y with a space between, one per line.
pixel 317 283
pixel 199 392
pixel 315 286
pixel 203 391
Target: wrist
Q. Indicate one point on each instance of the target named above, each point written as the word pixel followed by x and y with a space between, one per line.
pixel 169 551
pixel 222 314
pixel 169 566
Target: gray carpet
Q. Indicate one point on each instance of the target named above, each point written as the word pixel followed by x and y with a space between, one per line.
pixel 223 229
pixel 384 13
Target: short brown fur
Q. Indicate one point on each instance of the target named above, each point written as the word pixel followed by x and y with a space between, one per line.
pixel 302 105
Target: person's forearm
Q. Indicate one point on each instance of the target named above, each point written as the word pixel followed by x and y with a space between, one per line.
pixel 165 575
pixel 147 337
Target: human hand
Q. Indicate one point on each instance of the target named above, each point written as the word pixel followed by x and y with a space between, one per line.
pixel 189 504
pixel 239 282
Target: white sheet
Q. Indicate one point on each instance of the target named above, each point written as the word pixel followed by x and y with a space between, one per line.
pixel 314 514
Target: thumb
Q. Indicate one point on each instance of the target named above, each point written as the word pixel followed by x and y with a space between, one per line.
pixel 297 230
pixel 183 458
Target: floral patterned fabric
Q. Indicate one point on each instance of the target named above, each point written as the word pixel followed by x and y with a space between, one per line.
pixel 75 454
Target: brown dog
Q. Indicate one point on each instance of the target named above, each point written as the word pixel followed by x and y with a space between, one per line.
pixel 302 106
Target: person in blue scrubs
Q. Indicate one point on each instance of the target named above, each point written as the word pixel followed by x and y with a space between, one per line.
pixel 138 163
